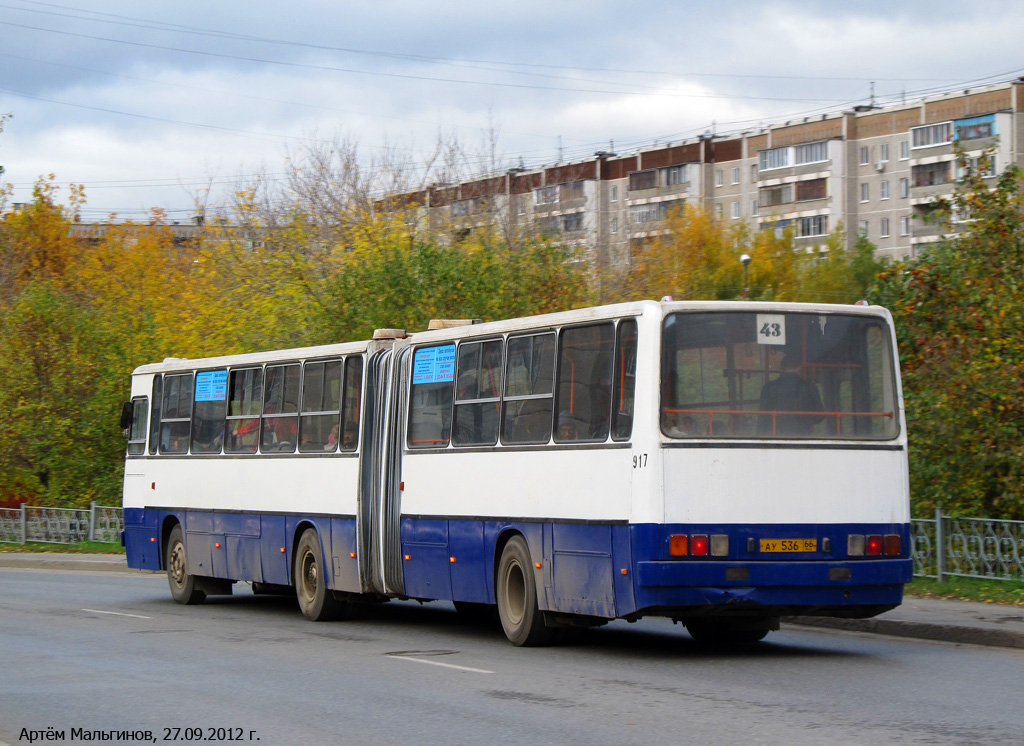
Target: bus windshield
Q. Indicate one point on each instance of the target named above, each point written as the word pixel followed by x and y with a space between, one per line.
pixel 777 375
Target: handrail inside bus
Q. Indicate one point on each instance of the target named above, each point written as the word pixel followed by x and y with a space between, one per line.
pixel 774 415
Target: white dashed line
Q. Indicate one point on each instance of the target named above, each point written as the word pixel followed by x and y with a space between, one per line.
pixel 116 613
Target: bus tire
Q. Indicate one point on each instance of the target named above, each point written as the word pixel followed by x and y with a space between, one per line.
pixel 516 593
pixel 317 602
pixel 724 632
pixel 184 588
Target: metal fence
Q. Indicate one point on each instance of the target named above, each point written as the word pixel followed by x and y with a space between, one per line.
pixel 968 548
pixel 61 525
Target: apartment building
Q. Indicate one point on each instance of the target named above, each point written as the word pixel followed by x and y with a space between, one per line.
pixel 873 171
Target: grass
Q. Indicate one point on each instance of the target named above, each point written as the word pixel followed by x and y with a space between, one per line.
pixel 81 547
pixel 983 590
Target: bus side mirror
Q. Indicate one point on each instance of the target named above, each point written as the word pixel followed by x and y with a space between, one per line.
pixel 127 414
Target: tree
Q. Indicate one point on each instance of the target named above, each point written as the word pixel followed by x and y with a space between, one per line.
pixel 959 323
pixel 697 257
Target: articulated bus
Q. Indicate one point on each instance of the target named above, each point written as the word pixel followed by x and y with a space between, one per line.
pixel 722 464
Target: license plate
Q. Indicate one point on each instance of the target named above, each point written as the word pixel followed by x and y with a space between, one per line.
pixel 789 545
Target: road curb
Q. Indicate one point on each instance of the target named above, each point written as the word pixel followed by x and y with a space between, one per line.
pixel 919 630
pixel 93 563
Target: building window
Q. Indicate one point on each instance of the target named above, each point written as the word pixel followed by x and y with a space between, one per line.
pixel 904 149
pixel 753 173
pixel 816 225
pixel 905 225
pixel 865 155
pixel 904 188
pixel 719 177
pixel 865 192
pixel 735 210
pixel 932 134
pixel 885 228
pixel 736 175
pixel 545 195
pixel 639 180
pixel 774 158
pixel 883 190
pixel 931 174
pixel 884 151
pixel 982 166
pixel 976 127
pixel 652 212
pixel 673 176
pixel 573 222
pixel 615 194
pixel 776 195
pixel 814 189
pixel 814 152
pixel 615 225
pixel 863 228
pixel 718 210
pixel 753 207
pixel 572 190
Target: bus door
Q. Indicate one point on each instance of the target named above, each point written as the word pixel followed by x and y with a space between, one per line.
pixel 379 548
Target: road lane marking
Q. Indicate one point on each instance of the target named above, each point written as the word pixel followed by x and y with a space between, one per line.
pixel 438 663
pixel 116 613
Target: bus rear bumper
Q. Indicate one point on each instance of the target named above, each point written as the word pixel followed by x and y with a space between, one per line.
pixel 674 574
pixel 770 589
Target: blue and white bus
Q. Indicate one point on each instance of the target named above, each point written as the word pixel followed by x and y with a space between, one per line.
pixel 719 463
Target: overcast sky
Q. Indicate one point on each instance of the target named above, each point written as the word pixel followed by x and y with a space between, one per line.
pixel 145 103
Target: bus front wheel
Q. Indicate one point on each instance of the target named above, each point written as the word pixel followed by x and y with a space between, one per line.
pixel 316 600
pixel 183 585
pixel 517 597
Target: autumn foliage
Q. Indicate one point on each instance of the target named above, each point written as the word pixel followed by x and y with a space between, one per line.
pixel 960 324
pixel 77 315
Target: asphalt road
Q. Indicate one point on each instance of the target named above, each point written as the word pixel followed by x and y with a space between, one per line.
pixel 111 651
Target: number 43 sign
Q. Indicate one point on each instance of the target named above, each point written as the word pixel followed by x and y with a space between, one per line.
pixel 771 329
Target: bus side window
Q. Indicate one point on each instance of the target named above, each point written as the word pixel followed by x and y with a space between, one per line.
pixel 211 399
pixel 584 383
pixel 529 389
pixel 478 394
pixel 433 384
pixel 280 409
pixel 625 381
pixel 176 414
pixel 319 424
pixel 245 398
pixel 137 431
pixel 351 401
pixel 154 421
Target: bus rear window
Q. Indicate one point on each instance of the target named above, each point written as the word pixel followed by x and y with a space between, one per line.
pixel 777 375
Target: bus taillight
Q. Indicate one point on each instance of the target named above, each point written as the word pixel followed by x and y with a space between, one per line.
pixel 873 547
pixel 891 545
pixel 678 545
pixel 699 545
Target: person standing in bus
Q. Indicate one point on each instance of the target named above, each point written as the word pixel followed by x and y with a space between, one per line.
pixel 791 400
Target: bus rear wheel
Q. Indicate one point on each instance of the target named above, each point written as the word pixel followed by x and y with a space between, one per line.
pixel 723 632
pixel 517 597
pixel 316 600
pixel 183 585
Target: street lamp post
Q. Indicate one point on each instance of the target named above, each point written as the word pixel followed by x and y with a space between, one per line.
pixel 745 260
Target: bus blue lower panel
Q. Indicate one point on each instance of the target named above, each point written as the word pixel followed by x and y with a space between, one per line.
pixel 598 569
pixel 242 546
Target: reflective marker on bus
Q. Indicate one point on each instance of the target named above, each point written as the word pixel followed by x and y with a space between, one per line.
pixel 718 463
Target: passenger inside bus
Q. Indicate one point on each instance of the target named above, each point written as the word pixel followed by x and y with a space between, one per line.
pixel 791 399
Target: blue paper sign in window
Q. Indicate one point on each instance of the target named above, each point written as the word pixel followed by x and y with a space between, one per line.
pixel 212 385
pixel 434 365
